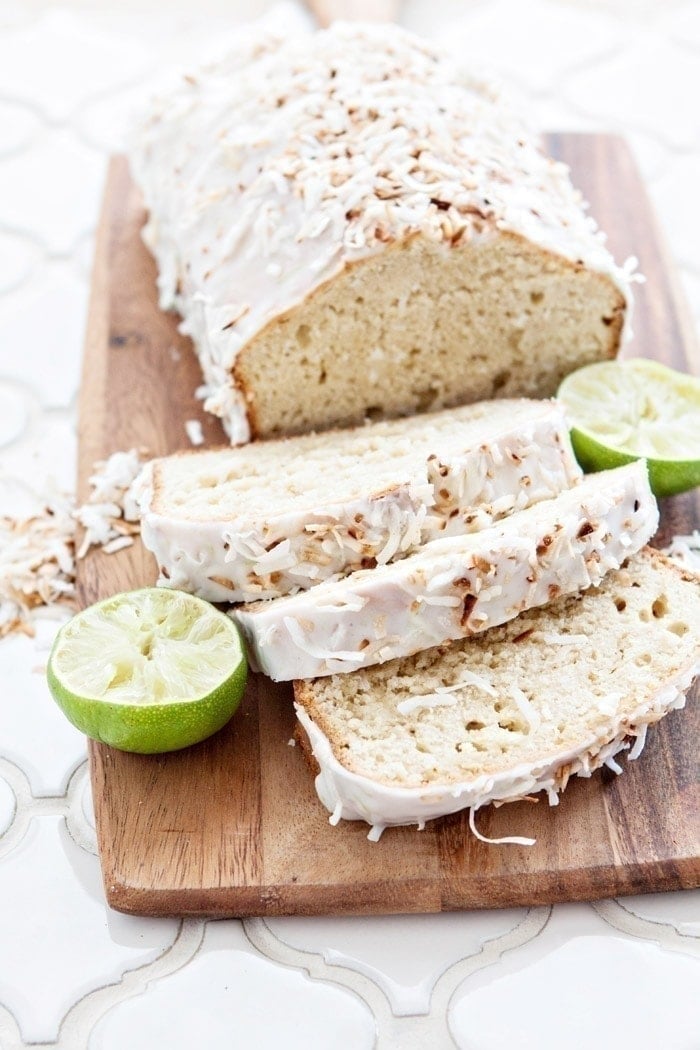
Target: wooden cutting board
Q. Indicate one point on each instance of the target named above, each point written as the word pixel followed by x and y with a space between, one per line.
pixel 233 826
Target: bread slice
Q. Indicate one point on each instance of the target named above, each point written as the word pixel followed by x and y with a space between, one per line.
pixel 517 710
pixel 458 586
pixel 351 226
pixel 280 516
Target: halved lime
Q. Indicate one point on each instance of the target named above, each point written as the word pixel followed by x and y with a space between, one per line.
pixel 148 671
pixel 620 411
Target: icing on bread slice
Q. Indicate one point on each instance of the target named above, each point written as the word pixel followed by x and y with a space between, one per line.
pixel 458 586
pixel 277 517
pixel 517 710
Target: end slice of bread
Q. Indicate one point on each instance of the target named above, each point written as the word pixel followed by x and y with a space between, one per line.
pixel 458 586
pixel 277 517
pixel 520 709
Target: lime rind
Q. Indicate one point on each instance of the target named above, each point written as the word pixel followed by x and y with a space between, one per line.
pixel 620 411
pixel 148 671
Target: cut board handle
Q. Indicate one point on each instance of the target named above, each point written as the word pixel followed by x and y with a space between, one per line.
pixel 327 11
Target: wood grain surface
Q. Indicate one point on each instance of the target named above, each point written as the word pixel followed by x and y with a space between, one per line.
pixel 233 826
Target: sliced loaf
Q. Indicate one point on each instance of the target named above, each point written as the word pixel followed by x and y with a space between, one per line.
pixel 351 225
pixel 458 586
pixel 276 517
pixel 556 692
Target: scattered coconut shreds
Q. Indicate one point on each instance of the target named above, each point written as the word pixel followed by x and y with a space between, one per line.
pixel 685 550
pixel 38 554
pixel 194 431
pixel 37 564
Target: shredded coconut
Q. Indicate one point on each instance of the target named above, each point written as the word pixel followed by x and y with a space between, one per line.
pixel 639 742
pixel 511 840
pixel 38 554
pixel 686 550
pixel 193 429
pixel 525 708
pixel 609 703
pixel 336 814
pixel 413 703
pixel 440 697
pixel 296 633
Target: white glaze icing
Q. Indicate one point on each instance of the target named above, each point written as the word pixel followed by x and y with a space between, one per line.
pixel 267 173
pixel 351 796
pixel 459 486
pixel 457 586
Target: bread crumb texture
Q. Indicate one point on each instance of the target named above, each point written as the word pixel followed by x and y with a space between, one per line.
pixel 537 686
pixel 352 227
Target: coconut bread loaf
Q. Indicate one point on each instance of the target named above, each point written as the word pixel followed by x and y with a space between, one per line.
pixel 352 227
pixel 277 517
pixel 517 710
pixel 457 586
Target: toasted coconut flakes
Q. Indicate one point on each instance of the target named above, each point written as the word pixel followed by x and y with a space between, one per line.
pixel 38 554
pixel 685 550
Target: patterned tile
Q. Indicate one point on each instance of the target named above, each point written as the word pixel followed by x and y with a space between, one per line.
pixel 41 334
pixel 228 989
pixel 7 805
pixel 34 733
pixel 19 258
pixel 625 94
pixel 565 988
pixel 61 182
pixel 58 941
pixel 680 910
pixel 683 25
pixel 376 947
pixel 14 412
pixel 20 125
pixel 107 123
pixel 45 458
pixel 33 63
pixel 557 40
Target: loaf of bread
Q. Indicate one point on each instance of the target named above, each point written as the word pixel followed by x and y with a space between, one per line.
pixel 520 709
pixel 455 587
pixel 276 517
pixel 351 227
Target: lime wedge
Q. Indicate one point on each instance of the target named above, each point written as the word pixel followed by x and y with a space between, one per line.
pixel 148 671
pixel 625 410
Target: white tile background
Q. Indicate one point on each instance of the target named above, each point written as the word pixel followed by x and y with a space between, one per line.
pixel 74 974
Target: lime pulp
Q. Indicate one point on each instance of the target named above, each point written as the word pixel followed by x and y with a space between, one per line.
pixel 149 671
pixel 620 411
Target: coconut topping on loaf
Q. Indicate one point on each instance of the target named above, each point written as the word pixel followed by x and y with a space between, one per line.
pixel 268 174
pixel 277 517
pixel 514 715
pixel 458 586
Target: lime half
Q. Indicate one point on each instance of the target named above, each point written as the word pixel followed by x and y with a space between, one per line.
pixel 148 671
pixel 625 410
